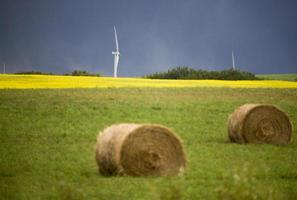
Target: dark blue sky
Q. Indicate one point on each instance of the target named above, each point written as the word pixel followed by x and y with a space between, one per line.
pixel 154 35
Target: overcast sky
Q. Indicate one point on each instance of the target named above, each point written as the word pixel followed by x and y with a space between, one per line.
pixel 154 35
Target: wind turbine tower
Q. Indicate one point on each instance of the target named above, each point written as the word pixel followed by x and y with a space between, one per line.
pixel 4 68
pixel 233 61
pixel 116 54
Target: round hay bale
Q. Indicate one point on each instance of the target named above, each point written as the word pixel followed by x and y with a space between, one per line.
pixel 256 123
pixel 139 150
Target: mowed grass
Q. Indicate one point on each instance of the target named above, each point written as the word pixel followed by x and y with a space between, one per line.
pixel 47 140
pixel 285 77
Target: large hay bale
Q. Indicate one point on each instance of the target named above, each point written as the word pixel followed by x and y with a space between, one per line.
pixel 139 150
pixel 256 123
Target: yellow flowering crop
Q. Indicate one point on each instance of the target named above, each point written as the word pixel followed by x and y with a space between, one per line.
pixel 51 81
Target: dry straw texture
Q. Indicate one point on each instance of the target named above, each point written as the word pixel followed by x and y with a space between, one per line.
pixel 139 150
pixel 255 123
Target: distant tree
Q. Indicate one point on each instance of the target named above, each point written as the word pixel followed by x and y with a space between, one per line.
pixel 83 73
pixel 34 72
pixel 79 73
pixel 73 73
pixel 189 73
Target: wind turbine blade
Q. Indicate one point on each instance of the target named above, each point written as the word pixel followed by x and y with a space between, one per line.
pixel 116 39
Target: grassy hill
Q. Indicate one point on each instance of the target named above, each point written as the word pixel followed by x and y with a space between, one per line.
pixel 285 77
pixel 47 139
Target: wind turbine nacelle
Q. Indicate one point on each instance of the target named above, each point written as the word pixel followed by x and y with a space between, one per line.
pixel 115 53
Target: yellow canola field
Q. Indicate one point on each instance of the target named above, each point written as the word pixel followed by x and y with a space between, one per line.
pixel 50 81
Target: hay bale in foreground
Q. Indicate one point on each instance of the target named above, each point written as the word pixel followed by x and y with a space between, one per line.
pixel 139 150
pixel 256 123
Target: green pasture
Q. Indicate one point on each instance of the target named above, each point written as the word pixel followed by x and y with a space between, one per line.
pixel 47 140
pixel 284 77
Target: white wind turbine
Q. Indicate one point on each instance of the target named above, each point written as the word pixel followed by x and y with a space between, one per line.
pixel 233 61
pixel 4 68
pixel 116 54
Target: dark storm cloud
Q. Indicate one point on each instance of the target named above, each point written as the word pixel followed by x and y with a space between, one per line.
pixel 62 35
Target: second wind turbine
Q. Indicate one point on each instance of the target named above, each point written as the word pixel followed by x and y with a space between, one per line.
pixel 116 54
pixel 233 61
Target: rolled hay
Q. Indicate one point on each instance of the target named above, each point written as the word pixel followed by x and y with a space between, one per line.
pixel 139 150
pixel 256 123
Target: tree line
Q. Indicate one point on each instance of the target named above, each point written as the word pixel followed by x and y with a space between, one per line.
pixel 73 73
pixel 189 74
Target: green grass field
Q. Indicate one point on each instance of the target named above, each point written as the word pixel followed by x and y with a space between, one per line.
pixel 284 77
pixel 47 140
